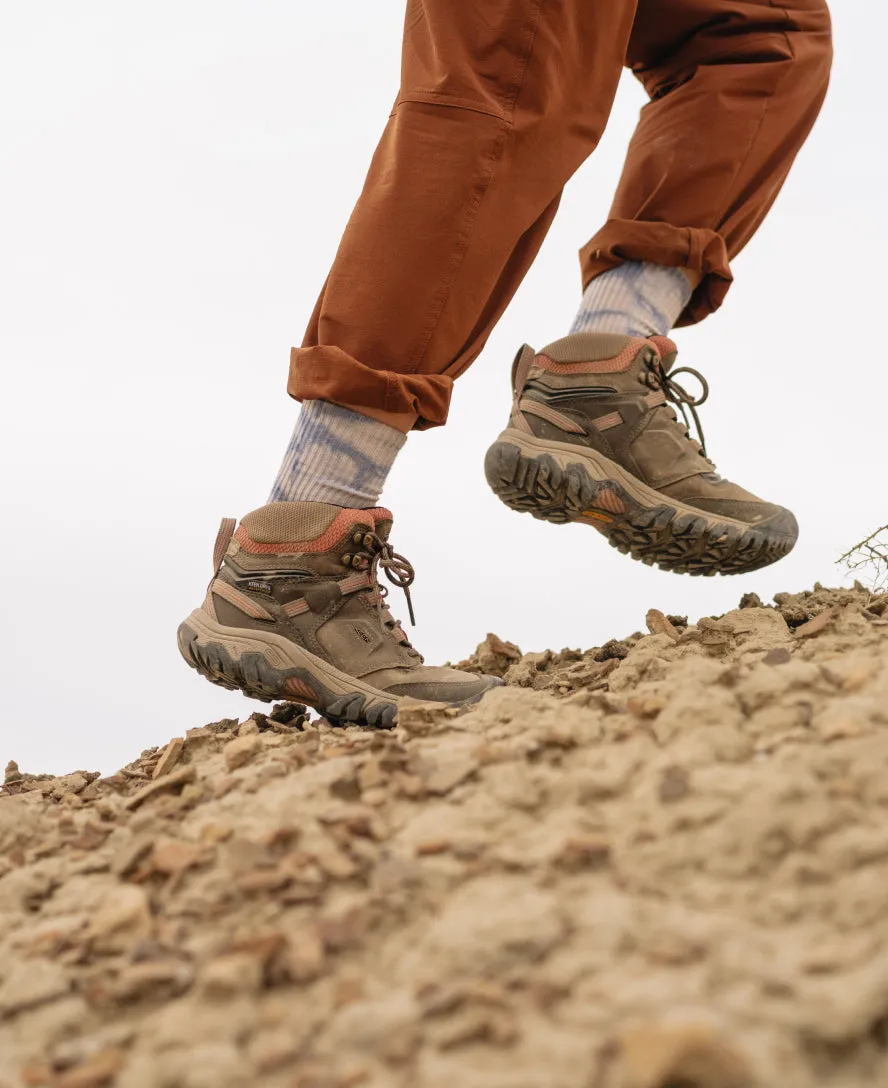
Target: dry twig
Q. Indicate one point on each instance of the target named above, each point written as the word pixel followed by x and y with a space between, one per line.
pixel 870 557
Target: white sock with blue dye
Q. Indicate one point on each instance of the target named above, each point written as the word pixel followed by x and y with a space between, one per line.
pixel 635 299
pixel 336 456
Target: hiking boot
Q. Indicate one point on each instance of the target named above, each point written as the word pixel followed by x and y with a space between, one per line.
pixel 594 437
pixel 294 611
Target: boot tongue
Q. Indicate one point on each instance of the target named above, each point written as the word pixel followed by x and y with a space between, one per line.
pixel 667 361
pixel 383 521
pixel 675 403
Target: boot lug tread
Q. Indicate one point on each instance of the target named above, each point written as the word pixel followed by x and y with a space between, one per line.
pixel 254 675
pixel 681 543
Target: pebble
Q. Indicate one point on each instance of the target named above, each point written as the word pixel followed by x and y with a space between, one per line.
pixel 241 750
pixel 169 757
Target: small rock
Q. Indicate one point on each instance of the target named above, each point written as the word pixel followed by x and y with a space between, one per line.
pixel 273 1049
pixel 430 847
pixel 123 918
pixel 128 856
pixel 201 734
pixel 226 725
pixel 448 773
pixel 646 706
pixel 287 713
pixel 818 624
pixel 91 837
pixel 420 719
pixel 172 856
pixel 309 740
pixel 36 1075
pixel 492 656
pixel 675 783
pixel 30 983
pixel 69 783
pixel 346 786
pixel 95 1072
pixel 169 757
pixel 370 775
pixel 322 1074
pixel 474 1024
pixel 241 750
pixel 226 976
pixel 613 650
pixel 659 624
pixel 159 979
pixel 193 793
pixel 303 958
pixel 335 863
pixel 660 1055
pixel 583 852
pixel 715 636
pixel 214 833
pixel 778 656
pixel 168 782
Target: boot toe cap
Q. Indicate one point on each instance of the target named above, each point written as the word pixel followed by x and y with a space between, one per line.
pixel 765 517
pixel 459 689
pixel 781 523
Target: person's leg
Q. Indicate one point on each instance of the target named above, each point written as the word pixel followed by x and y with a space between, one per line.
pixel 500 102
pixel 593 437
pixel 498 106
pixel 735 88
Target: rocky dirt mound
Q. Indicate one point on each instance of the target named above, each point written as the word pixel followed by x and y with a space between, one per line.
pixel 659 863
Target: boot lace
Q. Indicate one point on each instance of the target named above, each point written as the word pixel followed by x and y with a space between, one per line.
pixel 375 554
pixel 658 378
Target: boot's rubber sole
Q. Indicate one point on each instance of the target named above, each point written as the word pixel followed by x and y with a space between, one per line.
pixel 267 666
pixel 561 482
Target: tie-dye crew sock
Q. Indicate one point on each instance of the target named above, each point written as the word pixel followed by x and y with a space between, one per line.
pixel 336 456
pixel 634 299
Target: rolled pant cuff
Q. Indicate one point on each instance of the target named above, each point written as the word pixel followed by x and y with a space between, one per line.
pixel 695 248
pixel 403 401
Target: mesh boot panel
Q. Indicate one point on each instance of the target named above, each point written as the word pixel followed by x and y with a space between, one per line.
pixel 279 521
pixel 583 347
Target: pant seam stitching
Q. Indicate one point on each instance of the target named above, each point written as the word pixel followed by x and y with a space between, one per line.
pixel 758 128
pixel 461 248
pixel 495 158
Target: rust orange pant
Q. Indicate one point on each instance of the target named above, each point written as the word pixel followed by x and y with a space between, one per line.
pixel 500 102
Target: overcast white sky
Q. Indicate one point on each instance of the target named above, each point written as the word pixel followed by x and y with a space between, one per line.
pixel 174 180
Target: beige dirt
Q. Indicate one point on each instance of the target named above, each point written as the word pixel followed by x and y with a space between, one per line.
pixel 661 863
